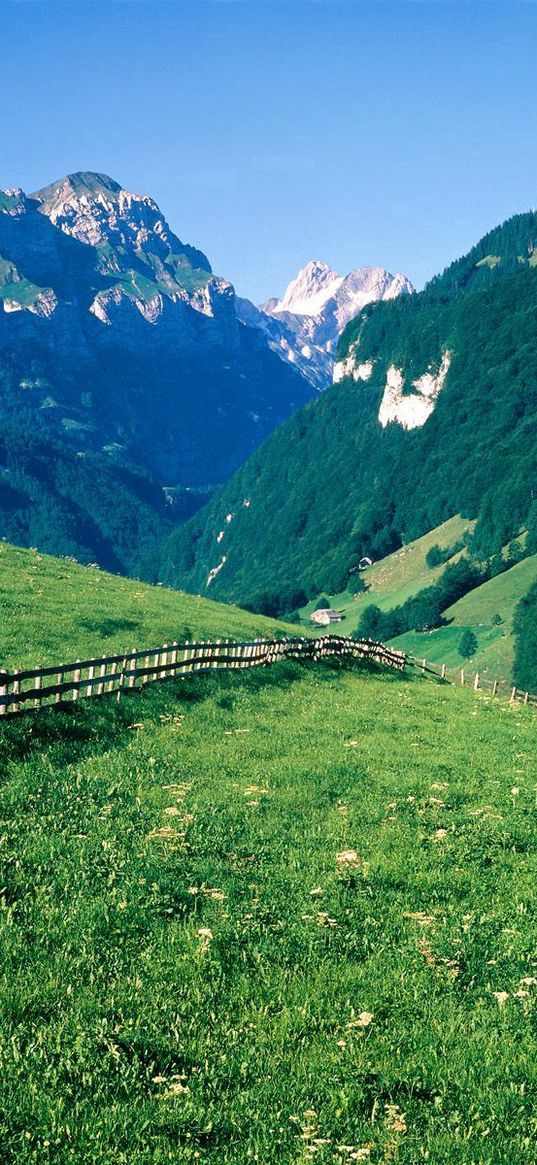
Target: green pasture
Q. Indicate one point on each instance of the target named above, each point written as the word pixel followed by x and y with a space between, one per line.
pixel 275 917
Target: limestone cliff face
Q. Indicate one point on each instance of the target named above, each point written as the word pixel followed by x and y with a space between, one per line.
pixel 125 328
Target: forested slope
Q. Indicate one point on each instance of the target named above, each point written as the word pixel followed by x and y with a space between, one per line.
pixel 333 483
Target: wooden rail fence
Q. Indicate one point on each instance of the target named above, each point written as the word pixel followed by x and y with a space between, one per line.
pixel 33 688
pixel 473 679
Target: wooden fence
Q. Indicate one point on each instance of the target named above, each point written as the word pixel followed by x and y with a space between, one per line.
pixel 32 688
pixel 473 679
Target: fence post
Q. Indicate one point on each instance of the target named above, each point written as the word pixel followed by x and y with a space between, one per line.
pixel 443 672
pixel 423 665
pixel 476 682
pixel 100 685
pixel 513 695
pixel 121 677
pixel 462 676
pixel 59 680
pixel 112 678
pixel 132 678
pixel 76 680
pixel 494 687
pixel 16 689
pixel 174 657
pixel 91 673
pixel 526 697
pixel 37 700
pixel 4 695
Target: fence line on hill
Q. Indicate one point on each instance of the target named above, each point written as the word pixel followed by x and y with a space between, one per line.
pixel 28 689
pixel 473 679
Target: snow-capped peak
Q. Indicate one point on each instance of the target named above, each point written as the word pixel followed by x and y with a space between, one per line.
pixel 307 294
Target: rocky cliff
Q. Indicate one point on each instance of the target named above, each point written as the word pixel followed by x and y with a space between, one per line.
pixel 304 326
pixel 122 335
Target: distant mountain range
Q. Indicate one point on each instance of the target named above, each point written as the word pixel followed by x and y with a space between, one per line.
pixel 304 326
pixel 118 345
pixel 433 412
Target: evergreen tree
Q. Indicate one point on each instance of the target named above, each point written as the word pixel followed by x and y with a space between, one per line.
pixel 467 645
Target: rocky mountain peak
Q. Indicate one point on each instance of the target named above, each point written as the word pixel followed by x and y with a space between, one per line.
pixel 308 292
pixel 305 324
pixel 94 209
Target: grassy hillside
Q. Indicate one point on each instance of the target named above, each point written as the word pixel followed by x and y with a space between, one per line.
pixel 276 917
pixel 397 577
pixel 393 579
pixel 494 657
pixel 53 610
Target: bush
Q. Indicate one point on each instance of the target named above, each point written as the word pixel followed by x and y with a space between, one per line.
pixel 434 557
pixel 438 554
pixel 467 645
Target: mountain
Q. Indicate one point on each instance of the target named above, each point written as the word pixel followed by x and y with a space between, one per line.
pixel 433 413
pixel 305 324
pixel 119 344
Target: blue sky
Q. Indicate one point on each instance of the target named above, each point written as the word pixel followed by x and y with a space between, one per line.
pixel 355 131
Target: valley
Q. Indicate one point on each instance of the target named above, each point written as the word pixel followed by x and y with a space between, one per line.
pixel 268 583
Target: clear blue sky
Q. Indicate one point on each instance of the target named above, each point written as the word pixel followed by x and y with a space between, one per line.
pixel 355 131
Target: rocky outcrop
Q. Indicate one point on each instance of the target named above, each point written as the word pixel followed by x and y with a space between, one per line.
pixel 305 324
pixel 105 311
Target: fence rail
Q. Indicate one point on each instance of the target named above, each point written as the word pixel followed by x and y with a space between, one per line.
pixel 473 679
pixel 33 688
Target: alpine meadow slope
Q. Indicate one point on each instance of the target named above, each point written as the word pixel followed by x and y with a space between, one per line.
pixel 434 413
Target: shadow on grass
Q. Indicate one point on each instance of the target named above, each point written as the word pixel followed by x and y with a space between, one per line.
pixel 69 730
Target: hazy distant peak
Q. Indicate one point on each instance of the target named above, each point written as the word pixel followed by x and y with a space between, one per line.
pixel 308 292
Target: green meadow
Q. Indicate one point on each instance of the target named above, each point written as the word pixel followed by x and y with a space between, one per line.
pixel 53 610
pixel 477 612
pixel 399 576
pixel 275 917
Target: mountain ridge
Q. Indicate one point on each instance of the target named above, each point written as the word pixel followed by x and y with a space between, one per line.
pixel 117 342
pixel 305 324
pixel 346 477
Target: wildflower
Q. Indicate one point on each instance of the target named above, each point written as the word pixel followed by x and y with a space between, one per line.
pixel 323 919
pixel 395 1119
pixel 362 1020
pixel 205 935
pixel 420 917
pixel 316 891
pixel 440 833
pixel 501 997
pixel 515 791
pixel 348 857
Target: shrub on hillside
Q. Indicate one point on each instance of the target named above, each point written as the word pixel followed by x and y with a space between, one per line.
pixel 467 645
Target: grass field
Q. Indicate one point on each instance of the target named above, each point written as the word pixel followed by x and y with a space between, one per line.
pixel 495 645
pixel 276 917
pixel 52 610
pixel 396 578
